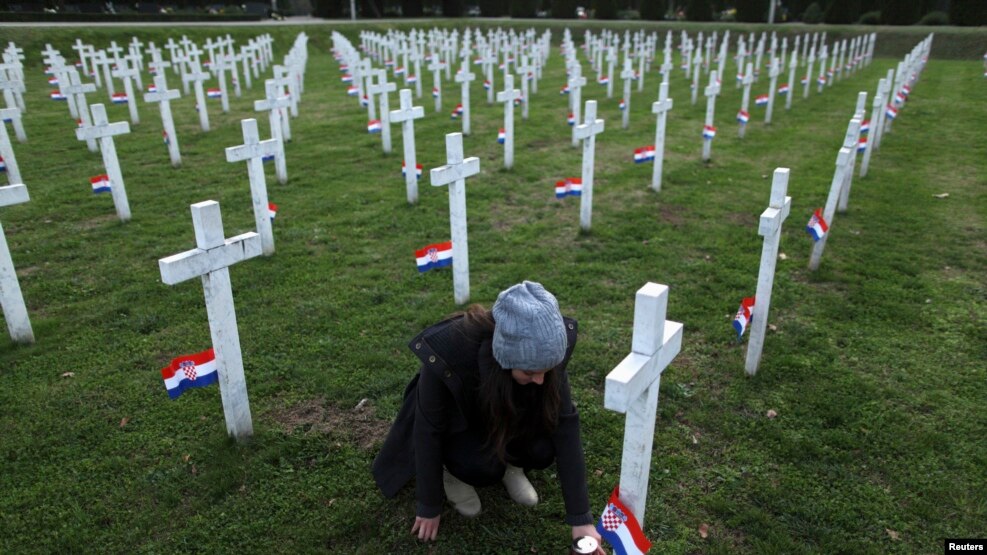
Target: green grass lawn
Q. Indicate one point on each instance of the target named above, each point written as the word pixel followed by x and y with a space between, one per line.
pixel 876 366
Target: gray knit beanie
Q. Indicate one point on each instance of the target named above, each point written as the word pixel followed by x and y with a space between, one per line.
pixel 528 329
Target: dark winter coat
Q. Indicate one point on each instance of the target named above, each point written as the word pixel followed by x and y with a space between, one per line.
pixel 443 398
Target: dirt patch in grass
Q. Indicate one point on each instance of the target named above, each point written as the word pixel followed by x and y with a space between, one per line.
pixel 358 425
pixel 98 221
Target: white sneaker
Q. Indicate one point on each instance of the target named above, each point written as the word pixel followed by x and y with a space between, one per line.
pixel 519 488
pixel 462 495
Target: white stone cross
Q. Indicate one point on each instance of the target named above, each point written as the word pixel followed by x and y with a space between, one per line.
pixel 13 115
pixel 821 80
pixel 875 117
pixel 210 260
pixel 611 62
pixel 576 83
pixel 76 92
pixel 587 132
pixel 627 75
pixel 507 98
pixel 253 150
pixel 773 73
pixel 406 116
pixel 219 66
pixel 489 60
pixel 7 148
pixel 276 104
pixel 11 298
pixel 697 63
pixel 808 71
pixel 772 219
pixel 454 174
pixel 164 97
pixel 106 63
pixel 712 90
pixel 745 101
pixel 436 66
pixel 632 389
pixel 793 65
pixel 525 69
pixel 283 74
pixel 416 58
pixel 852 140
pixel 197 77
pixel 103 130
pixel 383 89
pixel 128 74
pixel 82 49
pixel 463 77
pixel 829 211
pixel 661 108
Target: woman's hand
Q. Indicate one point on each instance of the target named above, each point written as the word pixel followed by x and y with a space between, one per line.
pixel 427 528
pixel 589 530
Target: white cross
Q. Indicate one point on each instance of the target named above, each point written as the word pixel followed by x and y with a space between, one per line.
pixel 454 174
pixel 697 63
pixel 164 97
pixel 127 73
pixel 11 299
pixel 253 150
pixel 851 140
pixel 196 76
pixel 875 117
pixel 661 108
pixel 283 74
pixel 835 188
pixel 105 131
pixel 792 67
pixel 7 149
pixel 436 67
pixel 406 116
pixel 82 49
pixel 773 73
pixel 627 75
pixel 463 77
pixel 13 114
pixel 821 81
pixel 770 228
pixel 525 70
pixel 245 57
pixel 632 389
pixel 507 97
pixel 210 260
pixel 383 88
pixel 276 104
pixel 745 101
pixel 219 66
pixel 489 59
pixel 76 91
pixel 808 72
pixel 712 90
pixel 587 132
pixel 576 83
pixel 611 62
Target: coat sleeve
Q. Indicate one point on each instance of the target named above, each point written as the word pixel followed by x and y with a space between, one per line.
pixel 570 460
pixel 430 423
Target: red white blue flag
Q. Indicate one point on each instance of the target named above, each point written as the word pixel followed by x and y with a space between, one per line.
pixel 619 527
pixel 53 81
pixel 435 92
pixel 373 126
pixel 347 78
pixel 570 186
pixel 817 226
pixel 899 97
pixel 418 170
pixel 644 154
pixel 862 144
pixel 740 77
pixel 501 136
pixel 119 98
pixel 744 315
pixel 411 79
pixel 804 80
pixel 622 105
pixel 3 165
pixel 214 93
pixel 761 100
pixel 399 71
pixel 891 112
pixel 743 116
pixel 783 89
pixel 196 370
pixel 152 88
pixel 865 126
pixel 352 90
pixel 100 183
pixel 164 137
pixel 565 89
pixel 709 132
pixel 604 80
pixel 364 101
pixel 272 210
pixel 821 80
pixel 458 111
pixel 434 256
pixel 571 119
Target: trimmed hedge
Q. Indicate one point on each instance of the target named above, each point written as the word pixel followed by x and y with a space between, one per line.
pixel 120 18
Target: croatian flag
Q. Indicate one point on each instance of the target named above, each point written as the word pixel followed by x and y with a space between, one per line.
pixel 817 226
pixel 743 317
pixel 862 144
pixel 457 111
pixel 346 78
pixel 740 77
pixel 364 102
pixel 899 98
pixel 352 90
pixel 865 126
pixel 197 370
pixel 783 89
pixel 486 85
pixel 435 92
pixel 411 80
pixel 571 119
pixel 438 255
pixel 266 158
pixel 804 80
pixel 743 117
pixel 119 98
pixel 501 137
pixel 152 88
pixel 272 210
pixel 604 80
pixel 518 100
pixel 821 80
pixel 101 183
pixel 622 105
pixel 56 95
pixel 164 137
pixel 53 81
pixel 344 68
pixel 620 528
pixel 570 186
pixel 389 63
pixel 709 132
pixel 644 154
pixel 3 165
pixel 565 89
pixel 891 112
pixel 373 126
pixel 214 93
pixel 399 71
pixel 761 100
pixel 78 122
pixel 418 170
pixel 906 89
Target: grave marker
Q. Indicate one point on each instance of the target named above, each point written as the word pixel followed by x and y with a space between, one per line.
pixel 628 75
pixel 382 88
pixel 454 174
pixel 463 77
pixel 712 90
pixel 253 151
pixel 197 77
pixel 7 149
pixel 576 83
pixel 587 132
pixel 773 73
pixel 103 130
pixel 164 96
pixel 661 108
pixel 406 116
pixel 507 97
pixel 11 298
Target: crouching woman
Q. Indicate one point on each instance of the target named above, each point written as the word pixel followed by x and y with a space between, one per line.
pixel 490 401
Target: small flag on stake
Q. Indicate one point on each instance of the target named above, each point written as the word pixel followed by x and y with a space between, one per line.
pixel 821 80
pixel 214 93
pixel 411 79
pixel 100 183
pixel 352 90
pixel 571 119
pixel 347 78
pixel 119 98
pixel 570 186
pixel 272 210
pixel 619 527
pixel 399 71
pixel 644 154
pixel 418 170
pixel 435 92
pixel 3 165
pixel 862 144
pixel 373 126
pixel 891 112
pixel 501 137
pixel 458 111
pixel 817 226
pixel 164 137
pixel 865 126
pixel 761 100
pixel 804 80
pixel 743 117
pixel 434 256
pixel 744 315
pixel 53 81
pixel 783 89
pixel 152 88
pixel 603 80
pixel 622 105
pixel 709 132
pixel 565 89
pixel 364 102
pixel 486 85
pixel 196 370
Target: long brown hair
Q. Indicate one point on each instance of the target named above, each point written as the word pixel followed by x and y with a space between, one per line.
pixel 497 400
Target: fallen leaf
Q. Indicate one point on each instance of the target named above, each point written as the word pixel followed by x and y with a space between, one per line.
pixel 894 535
pixel 534 549
pixel 764 176
pixel 68 374
pixel 123 421
pixel 703 530
pixel 185 458
pixel 782 256
pixel 772 413
pixel 772 327
pixel 598 472
pixel 360 404
pixel 942 195
pixel 695 439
